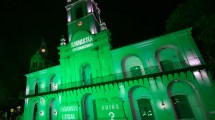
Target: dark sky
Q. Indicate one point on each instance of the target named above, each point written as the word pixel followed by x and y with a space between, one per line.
pixel 24 23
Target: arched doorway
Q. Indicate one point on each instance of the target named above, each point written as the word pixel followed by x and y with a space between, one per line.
pixel 185 101
pixel 86 74
pixel 88 107
pixel 132 67
pixel 52 109
pixel 140 103
pixel 169 58
pixel 182 107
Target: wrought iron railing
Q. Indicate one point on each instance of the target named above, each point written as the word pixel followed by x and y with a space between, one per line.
pixel 125 75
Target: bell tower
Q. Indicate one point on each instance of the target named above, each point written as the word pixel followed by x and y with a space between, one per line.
pixel 83 15
pixel 38 59
pixel 87 55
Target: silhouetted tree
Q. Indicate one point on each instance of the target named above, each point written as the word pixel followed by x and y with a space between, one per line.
pixel 200 15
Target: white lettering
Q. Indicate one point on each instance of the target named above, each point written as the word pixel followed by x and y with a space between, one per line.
pixel 83 46
pixel 68 116
pixel 82 41
pixel 69 108
pixel 110 107
pixel 111 114
pixel 113 107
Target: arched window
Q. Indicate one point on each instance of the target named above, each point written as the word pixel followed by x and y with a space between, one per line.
pixel 79 12
pixel 88 108
pixel 35 112
pixel 86 74
pixel 182 107
pixel 132 66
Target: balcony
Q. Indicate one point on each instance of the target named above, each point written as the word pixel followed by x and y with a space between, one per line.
pixel 191 64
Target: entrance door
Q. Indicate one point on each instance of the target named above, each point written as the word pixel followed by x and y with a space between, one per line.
pixel 145 109
pixel 182 107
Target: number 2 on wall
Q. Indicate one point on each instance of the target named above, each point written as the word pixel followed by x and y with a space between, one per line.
pixel 111 114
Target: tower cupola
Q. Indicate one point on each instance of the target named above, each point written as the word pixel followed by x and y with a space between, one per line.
pixel 83 15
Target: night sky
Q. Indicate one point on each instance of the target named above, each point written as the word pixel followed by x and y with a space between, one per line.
pixel 24 23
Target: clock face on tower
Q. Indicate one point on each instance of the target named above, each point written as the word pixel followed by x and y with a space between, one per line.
pixel 43 50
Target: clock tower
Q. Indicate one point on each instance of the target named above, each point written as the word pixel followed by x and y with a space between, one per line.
pixel 87 55
pixel 83 15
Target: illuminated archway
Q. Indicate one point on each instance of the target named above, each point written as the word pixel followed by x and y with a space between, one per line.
pixel 52 105
pixel 185 100
pixel 182 107
pixel 140 103
pixel 88 107
pixel 169 58
pixel 132 66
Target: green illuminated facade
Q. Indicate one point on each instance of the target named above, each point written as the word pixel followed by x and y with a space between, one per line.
pixel 163 78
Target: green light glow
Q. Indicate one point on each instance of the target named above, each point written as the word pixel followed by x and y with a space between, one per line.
pixel 136 81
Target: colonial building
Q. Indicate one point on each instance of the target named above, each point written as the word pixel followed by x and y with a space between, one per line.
pixel 162 78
